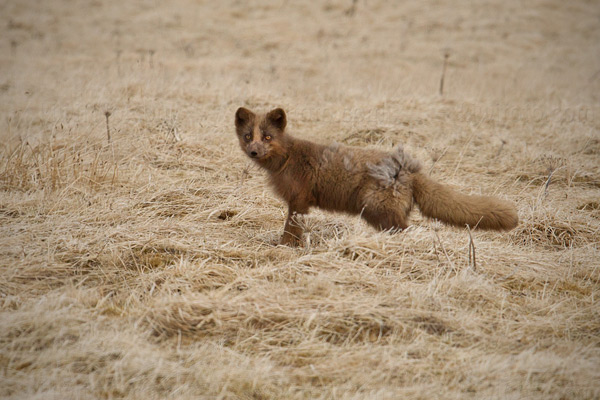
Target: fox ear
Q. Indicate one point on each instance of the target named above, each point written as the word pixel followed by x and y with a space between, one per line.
pixel 277 118
pixel 243 116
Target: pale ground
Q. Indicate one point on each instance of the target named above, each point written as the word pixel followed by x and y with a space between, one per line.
pixel 147 267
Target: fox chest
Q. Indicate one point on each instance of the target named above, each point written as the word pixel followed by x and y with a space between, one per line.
pixel 293 189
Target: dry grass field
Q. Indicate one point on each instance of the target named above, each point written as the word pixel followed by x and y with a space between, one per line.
pixel 138 244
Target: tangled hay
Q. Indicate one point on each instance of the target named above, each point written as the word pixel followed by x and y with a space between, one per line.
pixel 548 229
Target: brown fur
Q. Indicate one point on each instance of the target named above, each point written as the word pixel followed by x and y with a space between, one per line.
pixel 378 185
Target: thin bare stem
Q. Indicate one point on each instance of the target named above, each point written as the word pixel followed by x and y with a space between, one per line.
pixel 472 249
pixel 107 115
pixel 446 56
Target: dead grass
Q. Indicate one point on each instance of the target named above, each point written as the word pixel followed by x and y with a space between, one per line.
pixel 147 266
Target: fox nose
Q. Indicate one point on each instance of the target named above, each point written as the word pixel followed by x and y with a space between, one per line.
pixel 253 154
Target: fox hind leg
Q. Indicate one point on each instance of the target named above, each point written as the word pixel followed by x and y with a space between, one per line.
pixel 383 218
pixel 386 209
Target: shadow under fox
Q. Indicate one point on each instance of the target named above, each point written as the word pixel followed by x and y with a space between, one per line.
pixel 378 185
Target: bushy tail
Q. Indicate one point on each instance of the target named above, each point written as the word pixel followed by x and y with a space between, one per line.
pixel 439 201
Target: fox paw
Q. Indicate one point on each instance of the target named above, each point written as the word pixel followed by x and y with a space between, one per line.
pixel 290 240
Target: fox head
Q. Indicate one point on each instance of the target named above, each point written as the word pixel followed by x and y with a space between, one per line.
pixel 262 137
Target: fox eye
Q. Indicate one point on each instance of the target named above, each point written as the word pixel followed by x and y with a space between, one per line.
pixel 247 136
pixel 268 137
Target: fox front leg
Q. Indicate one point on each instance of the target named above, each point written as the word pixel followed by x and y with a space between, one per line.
pixel 292 231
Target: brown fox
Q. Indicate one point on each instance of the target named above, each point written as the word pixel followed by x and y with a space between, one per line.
pixel 378 185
